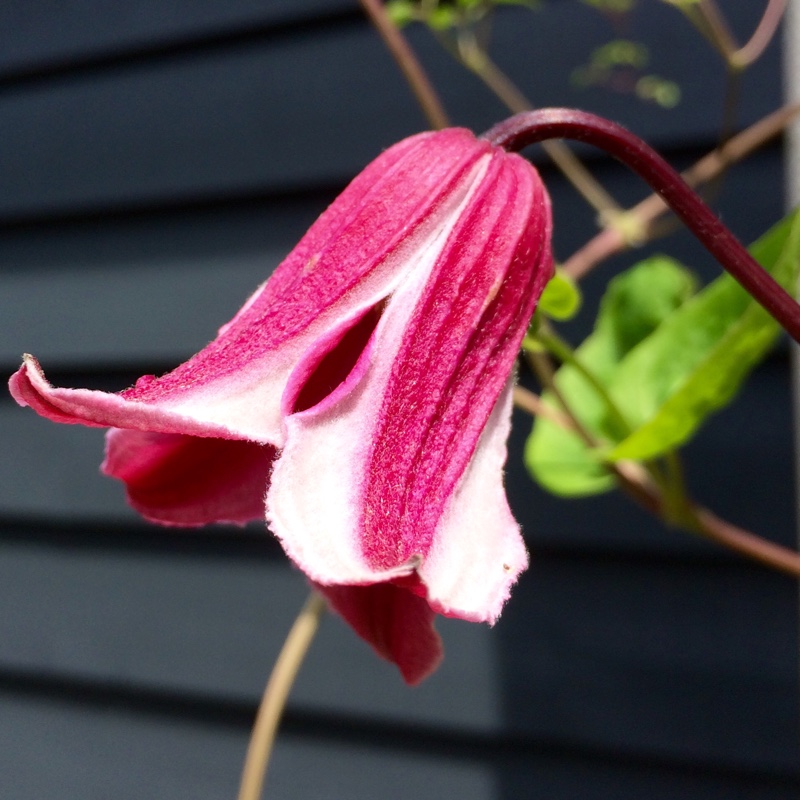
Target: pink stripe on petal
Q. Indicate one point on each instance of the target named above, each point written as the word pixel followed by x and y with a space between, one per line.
pixel 375 483
pixel 458 350
pixel 354 252
pixel 29 387
pixel 315 500
pixel 353 255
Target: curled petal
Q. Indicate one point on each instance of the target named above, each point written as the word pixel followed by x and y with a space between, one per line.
pixel 174 479
pixel 469 573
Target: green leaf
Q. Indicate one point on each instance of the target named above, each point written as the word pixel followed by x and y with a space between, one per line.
pixel 401 12
pixel 561 298
pixel 635 304
pixel 697 361
pixel 667 359
pixel 442 18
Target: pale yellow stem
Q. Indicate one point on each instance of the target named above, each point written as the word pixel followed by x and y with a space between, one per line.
pixel 273 702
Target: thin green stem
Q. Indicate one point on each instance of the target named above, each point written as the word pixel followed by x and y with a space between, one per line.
pixel 638 485
pixel 676 499
pixel 564 353
pixel 716 29
pixel 669 480
pixel 273 702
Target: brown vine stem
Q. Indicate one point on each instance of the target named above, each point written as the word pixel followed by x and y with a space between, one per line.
pixel 611 240
pixel 532 404
pixel 635 482
pixel 409 65
pixel 477 60
pixel 273 702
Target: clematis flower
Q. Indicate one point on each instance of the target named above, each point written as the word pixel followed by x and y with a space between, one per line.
pixel 362 396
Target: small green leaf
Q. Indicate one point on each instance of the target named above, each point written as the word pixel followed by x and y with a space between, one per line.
pixel 640 299
pixel 401 12
pixel 667 359
pixel 697 361
pixel 561 298
pixel 557 458
pixel 635 304
pixel 442 18
pixel 664 92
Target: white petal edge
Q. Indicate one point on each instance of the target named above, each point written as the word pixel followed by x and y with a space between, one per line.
pixel 478 551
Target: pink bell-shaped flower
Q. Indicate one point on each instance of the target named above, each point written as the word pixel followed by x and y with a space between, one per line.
pixel 361 396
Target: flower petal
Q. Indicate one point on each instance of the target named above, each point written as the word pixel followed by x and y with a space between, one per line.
pixel 175 479
pixel 395 621
pixel 477 552
pixel 369 478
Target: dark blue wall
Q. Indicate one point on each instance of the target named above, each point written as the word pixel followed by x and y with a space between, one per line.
pixel 157 160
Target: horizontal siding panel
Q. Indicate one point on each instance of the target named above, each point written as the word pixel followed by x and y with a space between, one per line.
pixel 269 117
pixel 215 626
pixel 73 753
pixel 40 33
pixel 221 123
pixel 653 657
pixel 672 649
pixel 160 311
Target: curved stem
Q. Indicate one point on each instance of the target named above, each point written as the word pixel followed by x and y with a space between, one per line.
pixel 273 702
pixel 611 240
pixel 534 126
pixel 478 61
pixel 409 65
pixel 762 36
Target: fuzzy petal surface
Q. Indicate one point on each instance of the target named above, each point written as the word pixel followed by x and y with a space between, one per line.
pixel 364 390
pixel 353 253
pixel 394 453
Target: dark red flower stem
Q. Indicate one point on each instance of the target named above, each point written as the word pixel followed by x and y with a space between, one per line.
pixel 530 127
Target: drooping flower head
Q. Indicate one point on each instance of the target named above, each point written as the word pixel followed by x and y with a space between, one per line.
pixel 361 397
